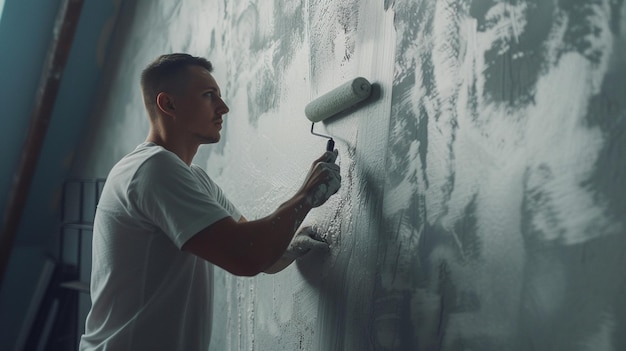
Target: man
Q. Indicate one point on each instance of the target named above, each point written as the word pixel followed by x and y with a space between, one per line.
pixel 162 223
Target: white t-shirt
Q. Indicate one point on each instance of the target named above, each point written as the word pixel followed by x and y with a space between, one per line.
pixel 146 293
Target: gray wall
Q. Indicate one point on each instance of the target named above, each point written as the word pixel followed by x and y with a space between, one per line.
pixel 483 195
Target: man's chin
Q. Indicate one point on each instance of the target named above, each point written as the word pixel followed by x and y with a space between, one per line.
pixel 210 139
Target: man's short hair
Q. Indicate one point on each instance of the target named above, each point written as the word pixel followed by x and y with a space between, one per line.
pixel 166 74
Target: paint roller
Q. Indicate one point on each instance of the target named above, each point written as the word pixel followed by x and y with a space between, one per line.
pixel 335 101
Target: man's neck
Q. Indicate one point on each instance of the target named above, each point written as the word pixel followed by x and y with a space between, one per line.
pixel 185 151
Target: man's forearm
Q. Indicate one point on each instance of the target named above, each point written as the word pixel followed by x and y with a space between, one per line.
pixel 277 230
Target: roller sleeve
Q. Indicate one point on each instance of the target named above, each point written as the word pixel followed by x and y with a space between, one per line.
pixel 338 99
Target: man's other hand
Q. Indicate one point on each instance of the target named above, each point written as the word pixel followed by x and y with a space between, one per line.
pixel 305 241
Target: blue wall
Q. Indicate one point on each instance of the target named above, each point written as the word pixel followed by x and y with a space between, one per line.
pixel 26 27
pixel 25 35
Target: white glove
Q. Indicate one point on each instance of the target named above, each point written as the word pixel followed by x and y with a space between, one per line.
pixel 306 240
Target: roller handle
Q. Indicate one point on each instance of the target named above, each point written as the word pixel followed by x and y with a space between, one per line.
pixel 330 145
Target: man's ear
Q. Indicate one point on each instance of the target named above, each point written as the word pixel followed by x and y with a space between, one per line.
pixel 165 103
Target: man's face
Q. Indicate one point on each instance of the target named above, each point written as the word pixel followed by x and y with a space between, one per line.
pixel 199 107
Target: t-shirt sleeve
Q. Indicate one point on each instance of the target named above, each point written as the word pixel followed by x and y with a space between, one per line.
pixel 217 192
pixel 167 194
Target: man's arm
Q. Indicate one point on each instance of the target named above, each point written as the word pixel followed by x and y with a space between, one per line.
pixel 248 248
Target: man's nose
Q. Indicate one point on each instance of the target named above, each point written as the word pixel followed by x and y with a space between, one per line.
pixel 222 108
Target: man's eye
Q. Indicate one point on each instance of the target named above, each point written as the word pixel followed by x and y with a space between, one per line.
pixel 209 94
